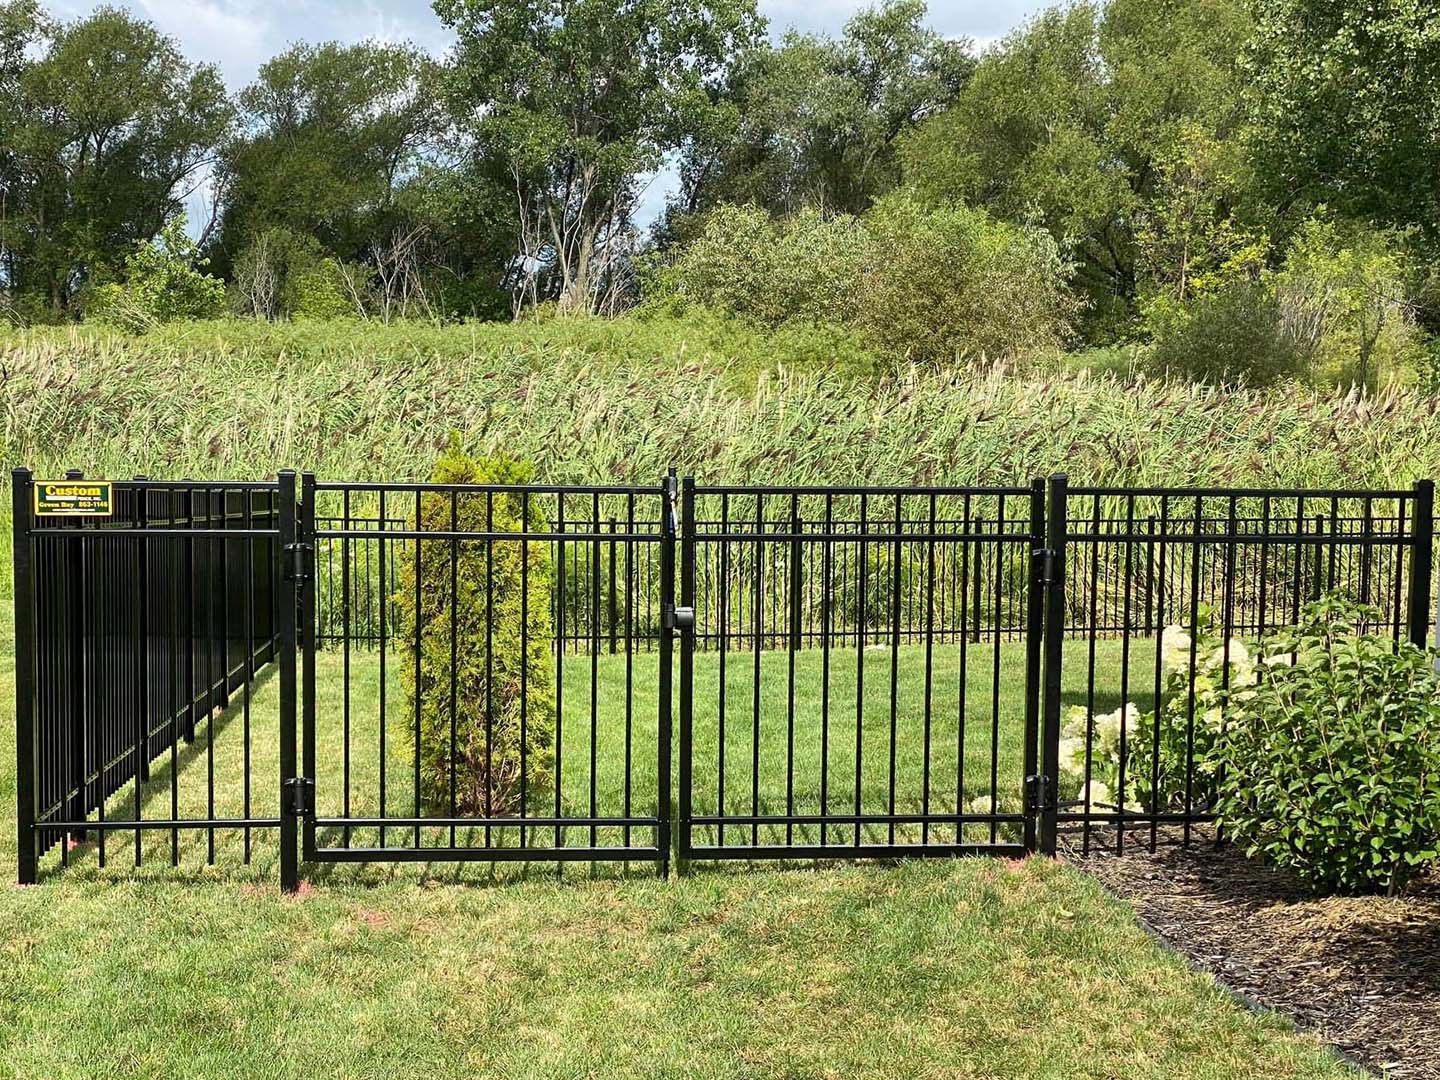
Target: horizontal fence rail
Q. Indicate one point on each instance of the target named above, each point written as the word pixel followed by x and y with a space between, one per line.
pixel 472 672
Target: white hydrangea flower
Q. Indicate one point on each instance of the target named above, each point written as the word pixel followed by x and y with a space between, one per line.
pixel 1096 793
pixel 1072 755
pixel 1175 648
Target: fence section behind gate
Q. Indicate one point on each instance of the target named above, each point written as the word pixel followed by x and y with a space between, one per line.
pixel 133 634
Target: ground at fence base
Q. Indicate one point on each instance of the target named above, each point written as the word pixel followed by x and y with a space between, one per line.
pixel 1362 973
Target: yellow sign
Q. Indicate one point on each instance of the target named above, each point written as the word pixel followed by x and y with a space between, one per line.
pixel 73 498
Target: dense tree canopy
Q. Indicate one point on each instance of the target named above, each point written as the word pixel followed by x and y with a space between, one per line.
pixel 1092 120
pixel 105 128
pixel 814 122
pixel 1238 189
pixel 576 99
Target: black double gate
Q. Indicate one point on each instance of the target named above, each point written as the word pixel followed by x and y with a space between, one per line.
pixel 472 672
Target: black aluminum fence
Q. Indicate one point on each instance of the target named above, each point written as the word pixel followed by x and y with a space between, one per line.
pixel 132 634
pixel 487 672
pixel 1167 593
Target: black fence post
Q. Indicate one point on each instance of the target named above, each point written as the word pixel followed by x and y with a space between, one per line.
pixel 1421 562
pixel 304 565
pixel 1034 651
pixel 1056 524
pixel 687 670
pixel 27 843
pixel 285 549
pixel 668 526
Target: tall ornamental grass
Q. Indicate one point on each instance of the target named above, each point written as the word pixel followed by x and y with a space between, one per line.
pixel 358 402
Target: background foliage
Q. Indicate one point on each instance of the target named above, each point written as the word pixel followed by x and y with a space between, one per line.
pixel 1235 191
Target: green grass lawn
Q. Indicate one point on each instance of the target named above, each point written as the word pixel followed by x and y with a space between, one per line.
pixel 965 968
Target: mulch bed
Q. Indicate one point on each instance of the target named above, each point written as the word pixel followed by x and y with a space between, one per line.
pixel 1362 973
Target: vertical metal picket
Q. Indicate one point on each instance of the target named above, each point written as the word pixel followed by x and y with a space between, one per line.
pixel 288 608
pixel 27 843
pixel 1044 794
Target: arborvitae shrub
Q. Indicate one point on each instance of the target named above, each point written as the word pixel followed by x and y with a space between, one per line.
pixel 496 667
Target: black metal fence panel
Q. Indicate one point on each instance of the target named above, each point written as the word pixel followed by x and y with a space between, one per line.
pixel 138 630
pixel 863 685
pixel 1171 594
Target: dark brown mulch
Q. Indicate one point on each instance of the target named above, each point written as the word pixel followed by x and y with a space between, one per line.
pixel 1362 973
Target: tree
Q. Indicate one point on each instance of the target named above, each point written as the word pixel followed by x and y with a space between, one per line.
pixel 814 122
pixel 107 130
pixel 331 135
pixel 1070 120
pixel 1345 108
pixel 576 98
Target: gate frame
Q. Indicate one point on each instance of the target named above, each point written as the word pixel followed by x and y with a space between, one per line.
pixel 299 537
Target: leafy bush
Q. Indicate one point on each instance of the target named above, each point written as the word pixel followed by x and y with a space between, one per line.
pixel 281 274
pixel 925 283
pixel 948 282
pixel 1332 758
pixel 162 283
pixel 1344 298
pixel 803 267
pixel 489 743
pixel 1235 335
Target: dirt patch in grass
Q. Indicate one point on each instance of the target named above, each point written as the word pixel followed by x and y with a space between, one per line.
pixel 1362 973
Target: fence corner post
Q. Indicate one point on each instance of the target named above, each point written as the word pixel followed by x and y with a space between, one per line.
pixel 27 842
pixel 1421 561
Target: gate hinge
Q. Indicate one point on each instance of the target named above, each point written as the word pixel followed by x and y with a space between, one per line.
pixel 1048 559
pixel 297 566
pixel 677 618
pixel 300 796
pixel 1037 793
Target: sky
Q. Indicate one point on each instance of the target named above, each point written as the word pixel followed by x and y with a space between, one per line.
pixel 239 35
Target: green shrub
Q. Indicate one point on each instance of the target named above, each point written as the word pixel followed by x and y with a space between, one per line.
pixel 1332 758
pixel 162 283
pixel 927 283
pixel 486 769
pixel 769 270
pixel 951 281
pixel 1233 336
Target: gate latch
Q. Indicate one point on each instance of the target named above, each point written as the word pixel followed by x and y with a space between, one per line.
pixel 297 567
pixel 300 796
pixel 1047 560
pixel 677 618
pixel 1037 793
